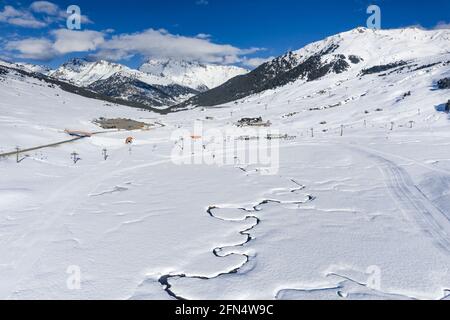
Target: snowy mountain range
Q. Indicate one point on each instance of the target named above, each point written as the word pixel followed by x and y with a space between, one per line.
pixel 195 75
pixel 82 72
pixel 28 75
pixel 181 84
pixel 27 67
pixel 157 84
pixel 355 53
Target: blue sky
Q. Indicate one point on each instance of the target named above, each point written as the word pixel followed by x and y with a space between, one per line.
pixel 242 32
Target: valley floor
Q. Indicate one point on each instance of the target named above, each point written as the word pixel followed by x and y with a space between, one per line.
pixel 341 211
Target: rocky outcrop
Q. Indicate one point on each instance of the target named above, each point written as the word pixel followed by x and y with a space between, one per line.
pixel 382 68
pixel 135 90
pixel 444 83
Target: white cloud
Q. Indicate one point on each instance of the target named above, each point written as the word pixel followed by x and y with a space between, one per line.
pixel 158 44
pixel 54 12
pixel 40 14
pixel 255 62
pixel 153 43
pixel 149 43
pixel 33 48
pixel 45 7
pixel 67 41
pixel 21 18
pixel 203 36
pixel 63 41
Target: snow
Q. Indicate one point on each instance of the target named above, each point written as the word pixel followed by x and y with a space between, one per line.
pixel 359 216
pixel 155 72
pixel 26 67
pixel 378 47
pixel 83 73
pixel 194 75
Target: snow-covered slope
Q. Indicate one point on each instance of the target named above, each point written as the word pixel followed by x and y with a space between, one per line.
pixel 143 101
pixel 27 67
pixel 134 89
pixel 378 47
pixel 158 84
pixel 344 55
pixel 358 208
pixel 83 72
pixel 119 81
pixel 195 75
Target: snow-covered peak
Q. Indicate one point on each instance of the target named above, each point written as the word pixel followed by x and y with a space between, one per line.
pixel 193 75
pixel 382 46
pixel 26 67
pixel 370 47
pixel 83 72
pixel 196 75
pixel 344 56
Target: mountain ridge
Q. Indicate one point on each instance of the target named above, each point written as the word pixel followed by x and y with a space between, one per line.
pixel 346 53
pixel 193 74
pixel 168 83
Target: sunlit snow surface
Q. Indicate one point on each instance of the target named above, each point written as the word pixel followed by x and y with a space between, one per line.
pixel 141 227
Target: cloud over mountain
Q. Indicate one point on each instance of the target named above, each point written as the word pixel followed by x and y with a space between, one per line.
pixel 149 43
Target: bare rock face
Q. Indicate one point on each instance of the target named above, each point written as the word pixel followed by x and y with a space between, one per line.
pixel 444 83
pixel 382 68
pixel 135 90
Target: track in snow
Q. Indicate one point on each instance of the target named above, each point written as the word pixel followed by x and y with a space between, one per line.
pixel 413 201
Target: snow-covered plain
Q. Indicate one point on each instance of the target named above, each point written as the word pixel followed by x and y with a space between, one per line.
pixel 365 215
